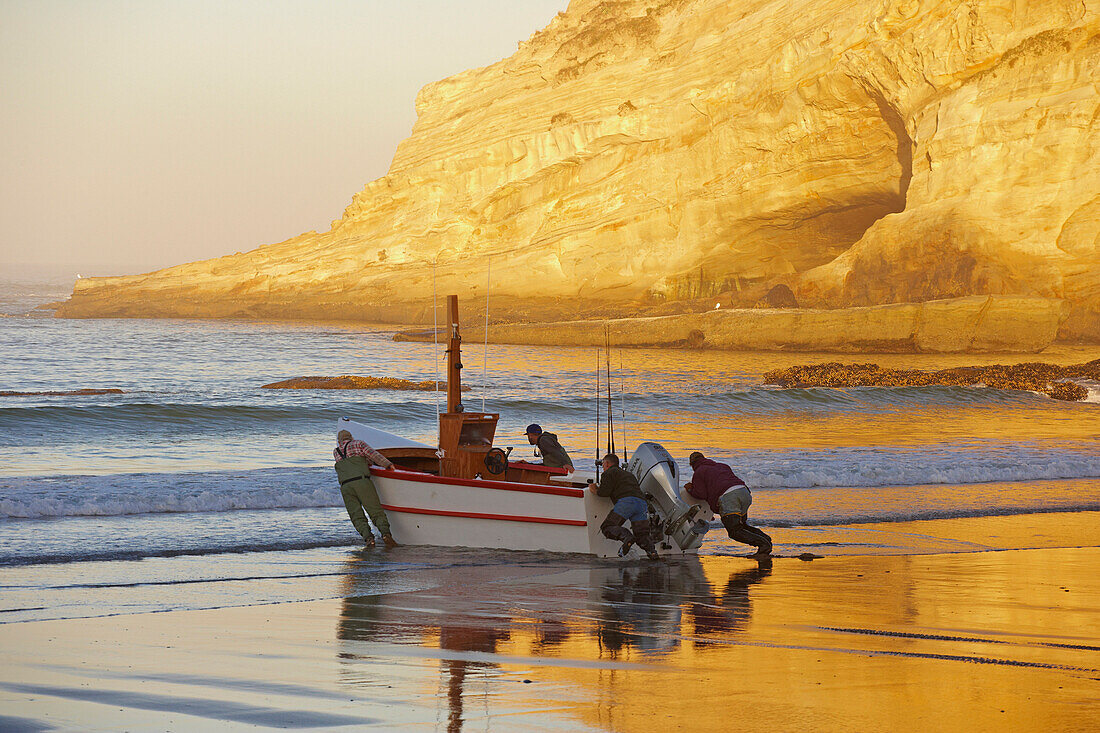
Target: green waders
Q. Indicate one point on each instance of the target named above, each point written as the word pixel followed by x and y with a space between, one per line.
pixel 359 494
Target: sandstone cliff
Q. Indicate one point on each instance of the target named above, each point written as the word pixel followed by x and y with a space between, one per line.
pixel 974 324
pixel 633 154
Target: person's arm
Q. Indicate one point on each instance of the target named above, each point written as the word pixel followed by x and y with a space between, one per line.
pixel 601 489
pixel 607 485
pixel 382 461
pixel 376 458
pixel 697 487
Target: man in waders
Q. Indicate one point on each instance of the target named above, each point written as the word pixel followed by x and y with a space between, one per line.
pixel 728 497
pixel 622 488
pixel 353 461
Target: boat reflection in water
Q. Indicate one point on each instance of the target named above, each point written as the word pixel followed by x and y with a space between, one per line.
pixel 501 619
pixel 644 606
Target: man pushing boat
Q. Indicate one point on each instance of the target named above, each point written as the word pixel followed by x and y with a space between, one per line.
pixel 622 488
pixel 718 485
pixel 353 461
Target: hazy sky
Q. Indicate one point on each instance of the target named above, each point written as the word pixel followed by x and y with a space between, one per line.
pixel 137 135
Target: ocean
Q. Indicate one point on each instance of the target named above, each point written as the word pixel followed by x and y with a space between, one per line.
pixel 195 460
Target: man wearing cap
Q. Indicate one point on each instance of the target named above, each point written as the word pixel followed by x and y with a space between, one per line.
pixel 353 461
pixel 728 497
pixel 553 455
pixel 622 488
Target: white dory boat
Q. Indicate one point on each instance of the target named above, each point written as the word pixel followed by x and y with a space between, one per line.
pixel 466 493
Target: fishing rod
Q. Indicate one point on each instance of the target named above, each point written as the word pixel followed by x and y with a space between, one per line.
pixel 485 353
pixel 597 413
pixel 435 340
pixel 622 403
pixel 610 404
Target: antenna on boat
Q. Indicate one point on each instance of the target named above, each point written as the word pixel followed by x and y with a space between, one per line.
pixel 485 353
pixel 610 412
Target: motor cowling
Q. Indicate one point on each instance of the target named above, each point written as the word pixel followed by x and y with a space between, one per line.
pixel 659 477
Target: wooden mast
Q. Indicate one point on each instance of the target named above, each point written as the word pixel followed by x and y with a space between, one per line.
pixel 454 359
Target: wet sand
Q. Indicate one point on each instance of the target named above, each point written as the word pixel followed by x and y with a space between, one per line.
pixel 931 625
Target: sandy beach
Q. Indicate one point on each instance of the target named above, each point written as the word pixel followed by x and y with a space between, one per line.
pixel 943 627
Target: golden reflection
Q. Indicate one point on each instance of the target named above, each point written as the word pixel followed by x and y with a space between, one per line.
pixel 854 643
pixel 729 407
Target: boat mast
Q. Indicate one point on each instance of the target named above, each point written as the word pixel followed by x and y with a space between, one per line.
pixel 454 359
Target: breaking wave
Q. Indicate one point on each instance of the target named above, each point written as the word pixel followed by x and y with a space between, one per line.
pixel 879 467
pixel 310 487
pixel 167 493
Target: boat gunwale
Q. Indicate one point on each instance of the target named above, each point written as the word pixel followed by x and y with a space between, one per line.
pixel 428 478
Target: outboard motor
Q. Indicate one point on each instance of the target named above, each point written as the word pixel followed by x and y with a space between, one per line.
pixel 660 481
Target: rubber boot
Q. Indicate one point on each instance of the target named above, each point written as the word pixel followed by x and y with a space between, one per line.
pixel 644 537
pixel 738 530
pixel 613 529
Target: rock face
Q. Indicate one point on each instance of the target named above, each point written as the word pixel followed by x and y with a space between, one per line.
pixel 973 324
pixel 638 152
pixel 1049 379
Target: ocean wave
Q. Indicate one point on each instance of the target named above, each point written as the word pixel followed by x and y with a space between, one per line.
pixel 1094 390
pixel 161 493
pixel 315 487
pixel 86 554
pixel 167 541
pixel 926 514
pixel 899 469
pixel 385 404
pixel 196 415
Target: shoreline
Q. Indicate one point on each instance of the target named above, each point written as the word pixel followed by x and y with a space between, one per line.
pixel 969 324
pixel 423 637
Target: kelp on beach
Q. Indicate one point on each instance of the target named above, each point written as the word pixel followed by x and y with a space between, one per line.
pixel 1049 379
pixel 349 381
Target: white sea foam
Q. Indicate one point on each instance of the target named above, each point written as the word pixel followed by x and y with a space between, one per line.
pixel 1094 391
pixel 300 488
pixel 125 494
pixel 209 501
pixel 868 467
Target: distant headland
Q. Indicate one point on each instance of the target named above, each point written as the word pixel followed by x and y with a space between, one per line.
pixel 661 159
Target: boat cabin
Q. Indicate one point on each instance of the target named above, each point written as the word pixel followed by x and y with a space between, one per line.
pixel 466 438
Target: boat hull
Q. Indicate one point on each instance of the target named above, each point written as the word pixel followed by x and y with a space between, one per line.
pixel 430 510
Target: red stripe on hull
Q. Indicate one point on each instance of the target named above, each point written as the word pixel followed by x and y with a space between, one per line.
pixel 476 515
pixel 427 478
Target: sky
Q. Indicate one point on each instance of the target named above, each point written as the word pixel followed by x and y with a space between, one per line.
pixel 136 135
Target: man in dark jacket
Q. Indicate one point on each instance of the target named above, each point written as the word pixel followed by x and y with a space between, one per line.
pixel 728 497
pixel 550 449
pixel 622 488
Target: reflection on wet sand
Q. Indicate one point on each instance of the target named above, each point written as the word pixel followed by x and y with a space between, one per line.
pixel 731 611
pixel 868 643
pixel 609 609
